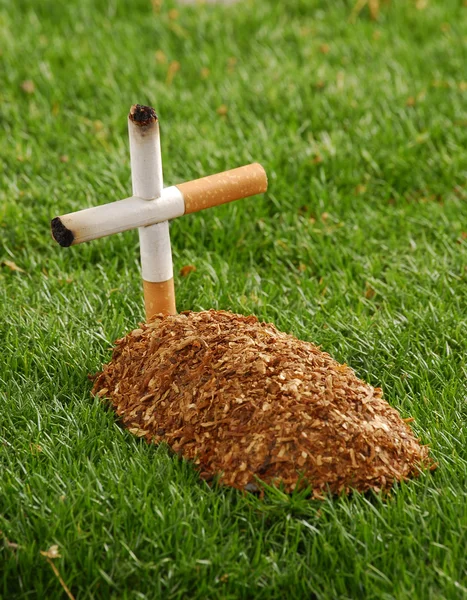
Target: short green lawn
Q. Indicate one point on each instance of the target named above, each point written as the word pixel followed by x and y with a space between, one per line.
pixel 360 245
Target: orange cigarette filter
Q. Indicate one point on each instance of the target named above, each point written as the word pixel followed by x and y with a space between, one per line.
pixel 159 297
pixel 224 187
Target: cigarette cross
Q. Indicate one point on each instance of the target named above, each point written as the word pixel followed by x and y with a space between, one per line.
pixel 151 207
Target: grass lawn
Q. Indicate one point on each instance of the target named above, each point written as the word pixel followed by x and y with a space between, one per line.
pixel 360 245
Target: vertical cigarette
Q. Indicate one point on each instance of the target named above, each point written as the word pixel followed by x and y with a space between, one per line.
pixel 146 176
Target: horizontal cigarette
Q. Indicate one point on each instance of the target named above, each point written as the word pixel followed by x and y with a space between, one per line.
pixel 175 201
pixel 224 187
pixel 115 217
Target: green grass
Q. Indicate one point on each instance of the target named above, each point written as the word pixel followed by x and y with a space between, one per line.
pixel 359 245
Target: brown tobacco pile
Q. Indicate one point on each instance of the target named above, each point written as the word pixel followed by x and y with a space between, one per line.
pixel 245 401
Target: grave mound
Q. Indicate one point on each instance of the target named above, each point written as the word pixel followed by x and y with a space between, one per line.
pixel 247 402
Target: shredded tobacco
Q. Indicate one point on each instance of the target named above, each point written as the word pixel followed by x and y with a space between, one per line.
pixel 247 402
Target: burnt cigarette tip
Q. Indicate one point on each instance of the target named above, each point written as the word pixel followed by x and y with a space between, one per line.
pixel 60 233
pixel 142 115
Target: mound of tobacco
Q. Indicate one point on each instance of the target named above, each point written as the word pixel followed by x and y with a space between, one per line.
pixel 244 401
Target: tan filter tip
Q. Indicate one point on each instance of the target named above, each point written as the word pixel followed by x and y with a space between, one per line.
pixel 159 297
pixel 224 187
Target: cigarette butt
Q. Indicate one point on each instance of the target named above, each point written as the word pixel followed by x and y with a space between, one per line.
pixel 224 187
pixel 147 182
pixel 159 297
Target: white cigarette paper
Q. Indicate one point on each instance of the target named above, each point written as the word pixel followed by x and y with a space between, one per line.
pixel 145 152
